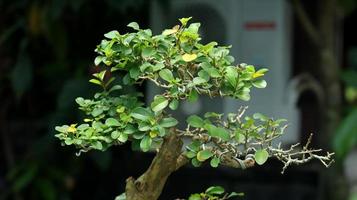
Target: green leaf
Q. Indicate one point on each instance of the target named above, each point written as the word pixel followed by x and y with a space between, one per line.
pixel 159 103
pixel 158 66
pixel 213 72
pixel 112 122
pixel 147 52
pixel 95 81
pixel 145 143
pixel 199 80
pixel 232 75
pixel 141 114
pixel 185 20
pixel 204 155
pixel 195 121
pixel 193 28
pixel 218 132
pixel 123 137
pixel 239 136
pixel 96 112
pixel 168 122
pixel 111 34
pixel 134 72
pixel 235 194
pixel 261 156
pixel 245 96
pixel 190 154
pixel 98 60
pixel 195 162
pixel 259 83
pixel 194 146
pixel 115 134
pixel 195 197
pixel 203 74
pixel 134 25
pixel 214 190
pixel 215 162
pixel 97 145
pixel 193 96
pixel 129 129
pixel 260 116
pixel 166 75
pixel 345 137
pixel 144 126
pixel 174 104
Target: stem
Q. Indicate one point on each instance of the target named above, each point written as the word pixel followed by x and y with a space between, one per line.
pixel 150 184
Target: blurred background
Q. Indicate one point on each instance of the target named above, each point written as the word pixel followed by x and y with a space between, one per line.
pixel 46 57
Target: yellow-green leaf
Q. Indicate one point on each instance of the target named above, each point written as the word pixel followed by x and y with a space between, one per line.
pixel 204 155
pixel 189 57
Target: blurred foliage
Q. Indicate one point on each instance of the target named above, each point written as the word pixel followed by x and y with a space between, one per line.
pixel 45 51
pixel 346 135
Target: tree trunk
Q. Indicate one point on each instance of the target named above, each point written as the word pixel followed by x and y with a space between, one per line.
pixel 150 184
pixel 325 36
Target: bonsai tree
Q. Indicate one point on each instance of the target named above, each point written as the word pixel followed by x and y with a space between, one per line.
pixel 185 69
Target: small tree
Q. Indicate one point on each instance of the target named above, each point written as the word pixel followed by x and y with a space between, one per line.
pixel 177 62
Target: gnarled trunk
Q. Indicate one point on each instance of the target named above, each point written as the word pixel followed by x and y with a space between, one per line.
pixel 150 184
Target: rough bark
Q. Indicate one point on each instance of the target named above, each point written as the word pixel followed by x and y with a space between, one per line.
pixel 150 184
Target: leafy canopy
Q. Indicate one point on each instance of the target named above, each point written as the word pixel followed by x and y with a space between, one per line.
pixel 177 62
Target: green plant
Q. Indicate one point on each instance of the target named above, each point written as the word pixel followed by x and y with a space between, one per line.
pixel 184 68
